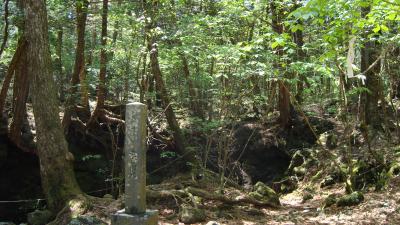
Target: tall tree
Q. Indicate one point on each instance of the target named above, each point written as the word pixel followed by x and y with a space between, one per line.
pixel 370 57
pixel 284 104
pixel 150 11
pixel 101 88
pixel 79 73
pixel 58 179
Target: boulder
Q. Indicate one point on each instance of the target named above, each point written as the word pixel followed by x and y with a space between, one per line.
pixel 263 193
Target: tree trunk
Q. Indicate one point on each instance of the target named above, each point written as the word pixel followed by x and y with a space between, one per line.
pixel 6 24
pixel 298 39
pixel 79 67
pixel 284 103
pixel 369 54
pixel 188 155
pixel 58 179
pixel 10 72
pixel 101 89
pixel 20 95
pixel 59 65
pixel 194 102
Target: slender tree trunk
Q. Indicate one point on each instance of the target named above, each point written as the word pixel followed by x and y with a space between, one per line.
pixel 188 155
pixel 298 38
pixel 79 67
pixel 369 54
pixel 194 102
pixel 101 89
pixel 6 24
pixel 10 71
pixel 20 95
pixel 58 180
pixel 284 103
pixel 59 65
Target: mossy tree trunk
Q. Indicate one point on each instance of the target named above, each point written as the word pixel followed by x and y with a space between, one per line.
pixel 58 180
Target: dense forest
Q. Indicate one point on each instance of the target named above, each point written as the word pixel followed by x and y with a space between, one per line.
pixel 258 111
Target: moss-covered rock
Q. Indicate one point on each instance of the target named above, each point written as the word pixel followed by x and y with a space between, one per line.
pixel 352 199
pixel 330 200
pixel 327 181
pixel 262 192
pixel 189 215
pixel 307 195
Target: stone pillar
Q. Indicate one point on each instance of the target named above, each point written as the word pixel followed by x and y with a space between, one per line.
pixel 135 170
pixel 135 158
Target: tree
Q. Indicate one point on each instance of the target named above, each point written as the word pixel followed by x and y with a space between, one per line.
pixel 150 10
pixel 58 180
pixel 79 73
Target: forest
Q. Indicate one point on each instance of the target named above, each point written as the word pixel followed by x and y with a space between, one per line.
pixel 207 112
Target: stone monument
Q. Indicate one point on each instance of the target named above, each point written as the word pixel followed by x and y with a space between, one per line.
pixel 135 212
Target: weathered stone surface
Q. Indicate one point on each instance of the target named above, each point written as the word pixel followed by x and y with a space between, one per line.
pixel 135 212
pixel 189 215
pixel 135 158
pixel 39 217
pixel 150 217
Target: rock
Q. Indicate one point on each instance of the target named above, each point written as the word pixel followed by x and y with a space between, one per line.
pixel 307 196
pixel 86 220
pixel 189 215
pixel 330 200
pixel 264 193
pixel 39 217
pixel 212 223
pixel 328 181
pixel 297 160
pixel 331 141
pixel 352 199
pixel 299 171
pixel 7 223
pixel 108 196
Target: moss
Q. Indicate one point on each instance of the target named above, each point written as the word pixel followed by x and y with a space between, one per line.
pixel 307 196
pixel 330 200
pixel 328 181
pixel 264 193
pixel 317 176
pixel 352 199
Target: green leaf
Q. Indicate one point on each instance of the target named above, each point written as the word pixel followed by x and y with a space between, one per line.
pixel 384 28
pixel 377 29
pixel 391 16
pixel 274 44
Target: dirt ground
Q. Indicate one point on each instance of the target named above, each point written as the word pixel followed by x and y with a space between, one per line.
pixel 377 208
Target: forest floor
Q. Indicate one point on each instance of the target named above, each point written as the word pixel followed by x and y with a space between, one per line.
pixel 377 208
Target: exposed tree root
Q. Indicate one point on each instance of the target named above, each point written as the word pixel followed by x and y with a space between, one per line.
pixel 191 191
